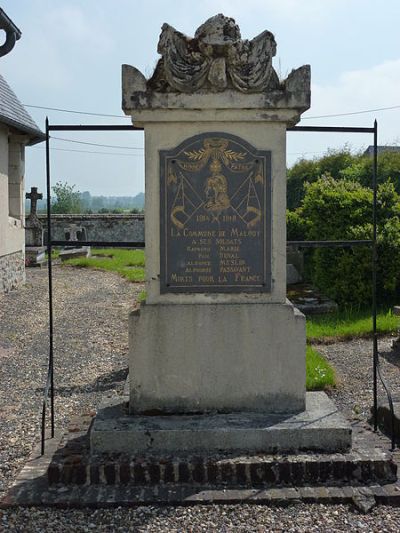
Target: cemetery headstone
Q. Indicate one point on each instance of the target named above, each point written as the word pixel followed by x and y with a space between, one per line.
pixel 35 252
pixel 74 234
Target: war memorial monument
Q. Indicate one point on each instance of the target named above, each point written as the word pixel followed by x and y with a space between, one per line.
pixel 217 352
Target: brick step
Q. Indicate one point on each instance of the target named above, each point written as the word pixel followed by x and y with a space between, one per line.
pixel 267 471
pixel 68 476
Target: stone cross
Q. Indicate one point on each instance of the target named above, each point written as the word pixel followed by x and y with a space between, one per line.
pixel 34 196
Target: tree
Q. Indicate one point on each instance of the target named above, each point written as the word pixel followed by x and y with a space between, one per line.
pixel 67 201
pixel 332 163
pixel 341 164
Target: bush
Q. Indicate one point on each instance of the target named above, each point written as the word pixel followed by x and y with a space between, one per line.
pixel 341 164
pixel 361 169
pixel 296 225
pixel 342 210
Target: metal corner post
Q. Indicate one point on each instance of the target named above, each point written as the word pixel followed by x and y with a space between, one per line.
pixel 377 368
pixel 374 267
pixel 50 374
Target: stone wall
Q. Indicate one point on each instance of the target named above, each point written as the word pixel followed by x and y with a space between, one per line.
pixel 12 271
pixel 99 227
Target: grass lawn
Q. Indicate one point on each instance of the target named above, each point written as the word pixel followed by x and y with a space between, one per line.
pixel 319 373
pixel 128 263
pixel 345 325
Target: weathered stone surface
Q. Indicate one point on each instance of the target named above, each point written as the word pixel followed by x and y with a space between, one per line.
pixel 320 428
pixel 217 357
pixel 72 253
pixel 216 60
pixel 33 226
pixel 12 271
pixel 99 227
pixel 35 256
pixel 189 478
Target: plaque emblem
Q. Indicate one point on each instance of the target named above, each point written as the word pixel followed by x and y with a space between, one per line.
pixel 215 214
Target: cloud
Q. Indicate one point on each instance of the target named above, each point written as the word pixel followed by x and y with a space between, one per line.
pixel 289 11
pixel 70 24
pixel 46 56
pixel 355 90
pixel 359 90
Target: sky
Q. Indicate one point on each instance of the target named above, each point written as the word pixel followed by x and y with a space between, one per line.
pixel 71 51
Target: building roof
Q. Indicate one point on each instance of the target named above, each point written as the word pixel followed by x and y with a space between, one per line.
pixel 370 149
pixel 13 113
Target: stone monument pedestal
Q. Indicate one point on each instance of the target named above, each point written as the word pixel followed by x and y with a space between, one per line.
pixel 198 358
pixel 319 427
pixel 217 353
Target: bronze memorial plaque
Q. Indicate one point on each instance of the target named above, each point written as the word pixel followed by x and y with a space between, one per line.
pixel 215 216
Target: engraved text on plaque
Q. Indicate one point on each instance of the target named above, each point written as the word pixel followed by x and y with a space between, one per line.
pixel 215 216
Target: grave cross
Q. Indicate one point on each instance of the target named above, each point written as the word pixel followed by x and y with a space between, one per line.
pixel 34 196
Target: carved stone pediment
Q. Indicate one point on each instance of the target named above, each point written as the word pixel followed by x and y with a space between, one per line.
pixel 215 61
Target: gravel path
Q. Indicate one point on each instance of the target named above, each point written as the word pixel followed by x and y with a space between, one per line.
pixel 216 518
pixel 90 347
pixel 353 364
pixel 91 311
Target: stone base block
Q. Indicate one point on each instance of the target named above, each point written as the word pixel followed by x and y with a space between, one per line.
pixel 35 256
pixel 319 428
pixel 73 253
pixel 196 358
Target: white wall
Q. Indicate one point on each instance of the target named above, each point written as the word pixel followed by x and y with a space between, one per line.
pixel 12 238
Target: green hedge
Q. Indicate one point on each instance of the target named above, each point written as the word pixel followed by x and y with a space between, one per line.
pixel 341 164
pixel 342 209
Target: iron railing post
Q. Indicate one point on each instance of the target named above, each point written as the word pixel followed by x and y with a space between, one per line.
pixel 374 266
pixel 50 288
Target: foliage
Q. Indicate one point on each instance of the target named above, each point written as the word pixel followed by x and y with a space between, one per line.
pixel 319 374
pixel 127 263
pixel 67 199
pixel 349 324
pixel 340 209
pixel 310 170
pixel 341 164
pixel 142 296
pixel 296 225
pixel 361 169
